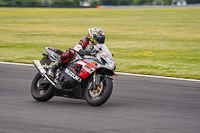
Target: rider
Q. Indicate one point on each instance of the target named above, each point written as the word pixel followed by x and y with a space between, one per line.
pixel 85 45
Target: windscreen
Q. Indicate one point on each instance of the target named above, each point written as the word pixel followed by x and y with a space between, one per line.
pixel 105 49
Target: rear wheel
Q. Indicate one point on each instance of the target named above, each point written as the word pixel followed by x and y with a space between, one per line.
pixel 98 96
pixel 41 93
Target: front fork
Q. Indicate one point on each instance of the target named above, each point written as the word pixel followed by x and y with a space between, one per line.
pixel 97 78
pixel 94 83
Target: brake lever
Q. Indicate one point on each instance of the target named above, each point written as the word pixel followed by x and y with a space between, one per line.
pixel 93 53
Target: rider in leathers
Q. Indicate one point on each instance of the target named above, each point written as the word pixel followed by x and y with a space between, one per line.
pixel 85 45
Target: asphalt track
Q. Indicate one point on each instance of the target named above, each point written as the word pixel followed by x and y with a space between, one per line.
pixel 137 105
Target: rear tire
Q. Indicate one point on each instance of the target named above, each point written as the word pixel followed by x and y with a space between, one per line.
pixel 101 95
pixel 41 95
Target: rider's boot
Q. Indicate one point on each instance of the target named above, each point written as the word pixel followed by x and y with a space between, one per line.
pixel 54 67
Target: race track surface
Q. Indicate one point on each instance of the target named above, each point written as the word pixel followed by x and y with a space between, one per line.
pixel 137 105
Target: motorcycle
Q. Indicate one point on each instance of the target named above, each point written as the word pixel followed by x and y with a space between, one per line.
pixel 87 77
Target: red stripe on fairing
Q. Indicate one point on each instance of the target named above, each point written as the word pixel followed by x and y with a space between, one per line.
pixel 91 65
pixel 84 73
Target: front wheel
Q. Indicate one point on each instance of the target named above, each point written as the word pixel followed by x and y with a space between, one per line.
pixel 98 96
pixel 41 93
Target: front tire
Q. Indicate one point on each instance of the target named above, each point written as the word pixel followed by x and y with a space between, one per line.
pixel 41 95
pixel 101 94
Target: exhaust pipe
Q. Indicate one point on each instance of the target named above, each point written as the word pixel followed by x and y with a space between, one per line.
pixel 42 71
pixel 39 67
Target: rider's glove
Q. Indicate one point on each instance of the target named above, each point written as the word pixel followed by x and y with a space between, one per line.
pixel 85 52
pixel 93 52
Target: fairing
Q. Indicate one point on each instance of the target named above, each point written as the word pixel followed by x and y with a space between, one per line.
pixel 81 66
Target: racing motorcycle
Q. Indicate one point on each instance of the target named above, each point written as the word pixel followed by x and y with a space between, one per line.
pixel 87 77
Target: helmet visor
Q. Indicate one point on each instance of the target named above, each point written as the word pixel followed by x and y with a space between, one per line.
pixel 100 40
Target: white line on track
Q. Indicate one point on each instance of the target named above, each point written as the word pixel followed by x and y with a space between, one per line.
pixel 128 74
pixel 18 64
pixel 159 77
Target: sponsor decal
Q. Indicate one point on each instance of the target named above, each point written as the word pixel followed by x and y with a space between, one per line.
pixel 88 67
pixel 74 76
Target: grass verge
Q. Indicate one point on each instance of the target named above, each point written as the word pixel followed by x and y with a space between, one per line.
pixel 164 42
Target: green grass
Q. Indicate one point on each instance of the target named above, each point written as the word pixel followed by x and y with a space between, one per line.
pixel 162 42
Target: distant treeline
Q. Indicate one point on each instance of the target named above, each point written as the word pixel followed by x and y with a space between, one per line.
pixel 93 3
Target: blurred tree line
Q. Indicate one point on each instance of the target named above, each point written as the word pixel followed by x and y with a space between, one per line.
pixel 94 2
pixel 38 2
